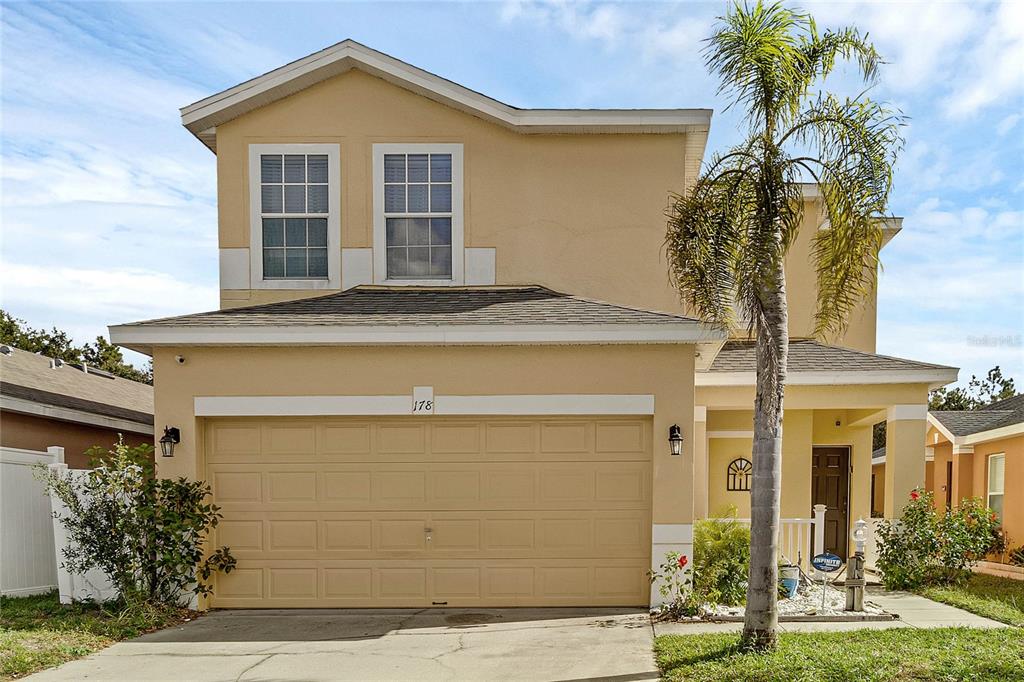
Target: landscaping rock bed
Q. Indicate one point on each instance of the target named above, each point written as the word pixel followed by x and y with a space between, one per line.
pixel 807 606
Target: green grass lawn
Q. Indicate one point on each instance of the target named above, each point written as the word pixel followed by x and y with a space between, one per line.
pixel 997 598
pixel 862 655
pixel 39 632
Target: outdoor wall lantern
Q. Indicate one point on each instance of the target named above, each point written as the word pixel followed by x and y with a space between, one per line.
pixel 171 437
pixel 675 439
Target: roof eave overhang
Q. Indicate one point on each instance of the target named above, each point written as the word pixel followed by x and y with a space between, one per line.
pixel 203 117
pixel 72 415
pixel 1008 431
pixel 933 377
pixel 144 338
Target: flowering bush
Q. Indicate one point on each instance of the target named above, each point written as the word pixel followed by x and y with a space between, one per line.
pixel 926 547
pixel 673 582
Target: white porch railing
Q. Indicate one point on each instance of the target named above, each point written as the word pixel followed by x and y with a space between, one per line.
pixel 800 539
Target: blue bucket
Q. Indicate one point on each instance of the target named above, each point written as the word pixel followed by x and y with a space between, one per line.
pixel 789 576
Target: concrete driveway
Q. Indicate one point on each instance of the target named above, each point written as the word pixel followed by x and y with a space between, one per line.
pixel 609 645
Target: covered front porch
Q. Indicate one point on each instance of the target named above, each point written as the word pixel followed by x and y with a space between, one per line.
pixel 834 398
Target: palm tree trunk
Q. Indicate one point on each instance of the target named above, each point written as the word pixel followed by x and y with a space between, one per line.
pixel 762 619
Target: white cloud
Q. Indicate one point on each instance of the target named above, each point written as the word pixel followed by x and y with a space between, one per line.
pixel 104 295
pixel 1007 124
pixel 993 68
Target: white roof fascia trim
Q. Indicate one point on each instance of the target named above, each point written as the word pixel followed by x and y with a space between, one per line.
pixel 992 434
pixel 877 460
pixel 687 332
pixel 67 414
pixel 202 115
pixel 941 429
pixel 933 377
pixel 378 405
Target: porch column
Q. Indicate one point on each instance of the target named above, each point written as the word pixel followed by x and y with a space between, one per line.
pixel 700 462
pixel 962 460
pixel 906 426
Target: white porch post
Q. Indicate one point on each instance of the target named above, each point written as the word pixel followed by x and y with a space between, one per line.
pixel 819 529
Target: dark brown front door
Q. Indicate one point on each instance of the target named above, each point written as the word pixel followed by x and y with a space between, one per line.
pixel 949 484
pixel 830 486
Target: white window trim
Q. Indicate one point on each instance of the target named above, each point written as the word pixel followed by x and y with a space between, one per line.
pixel 380 265
pixel 988 479
pixel 333 280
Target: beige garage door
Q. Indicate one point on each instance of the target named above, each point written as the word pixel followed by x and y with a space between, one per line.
pixel 404 511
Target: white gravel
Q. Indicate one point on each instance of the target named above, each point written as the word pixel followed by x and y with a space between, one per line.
pixel 807 602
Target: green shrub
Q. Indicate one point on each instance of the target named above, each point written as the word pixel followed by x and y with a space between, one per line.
pixel 146 534
pixel 721 560
pixel 1017 556
pixel 927 547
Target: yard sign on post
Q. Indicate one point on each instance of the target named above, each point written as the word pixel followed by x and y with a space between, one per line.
pixel 826 563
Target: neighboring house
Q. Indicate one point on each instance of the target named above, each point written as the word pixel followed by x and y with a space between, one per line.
pixel 46 402
pixel 448 358
pixel 980 453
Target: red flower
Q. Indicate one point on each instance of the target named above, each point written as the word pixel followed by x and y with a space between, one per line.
pixel 914 495
pixel 683 561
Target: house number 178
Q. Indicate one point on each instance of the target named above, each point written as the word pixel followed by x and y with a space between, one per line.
pixel 422 406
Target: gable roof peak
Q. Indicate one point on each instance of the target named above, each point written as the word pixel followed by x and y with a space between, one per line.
pixel 202 118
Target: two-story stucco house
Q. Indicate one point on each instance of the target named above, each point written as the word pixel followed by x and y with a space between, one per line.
pixel 448 355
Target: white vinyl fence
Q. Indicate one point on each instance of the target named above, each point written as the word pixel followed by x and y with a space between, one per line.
pixel 27 561
pixel 93 585
pixel 32 541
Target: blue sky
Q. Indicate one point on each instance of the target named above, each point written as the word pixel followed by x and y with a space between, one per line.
pixel 109 207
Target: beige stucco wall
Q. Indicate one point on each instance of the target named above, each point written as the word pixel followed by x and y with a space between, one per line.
pixel 578 213
pixel 1013 499
pixel 664 371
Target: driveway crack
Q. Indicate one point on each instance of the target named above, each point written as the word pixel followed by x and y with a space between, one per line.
pixel 259 662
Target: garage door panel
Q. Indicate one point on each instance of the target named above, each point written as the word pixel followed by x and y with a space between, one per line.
pixel 404 584
pixel 334 512
pixel 469 485
pixel 290 487
pixel 362 584
pixel 288 441
pixel 401 535
pixel 456 439
pixel 341 440
pixel 399 488
pixel 292 536
pixel 401 439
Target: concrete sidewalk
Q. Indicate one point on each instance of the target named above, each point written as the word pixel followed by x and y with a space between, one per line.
pixel 914 611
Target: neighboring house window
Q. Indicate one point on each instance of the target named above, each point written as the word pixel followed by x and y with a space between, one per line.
pixel 996 478
pixel 295 228
pixel 418 214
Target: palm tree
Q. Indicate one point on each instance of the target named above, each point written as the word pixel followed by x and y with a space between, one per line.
pixel 729 234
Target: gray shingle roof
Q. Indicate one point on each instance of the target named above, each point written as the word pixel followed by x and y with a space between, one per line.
pixel 28 376
pixel 997 415
pixel 810 356
pixel 427 306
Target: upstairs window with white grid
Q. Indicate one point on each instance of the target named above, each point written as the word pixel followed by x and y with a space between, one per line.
pixel 418 215
pixel 294 208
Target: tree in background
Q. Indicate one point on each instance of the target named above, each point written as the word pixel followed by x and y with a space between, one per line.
pixel 729 235
pixel 979 392
pixel 58 345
